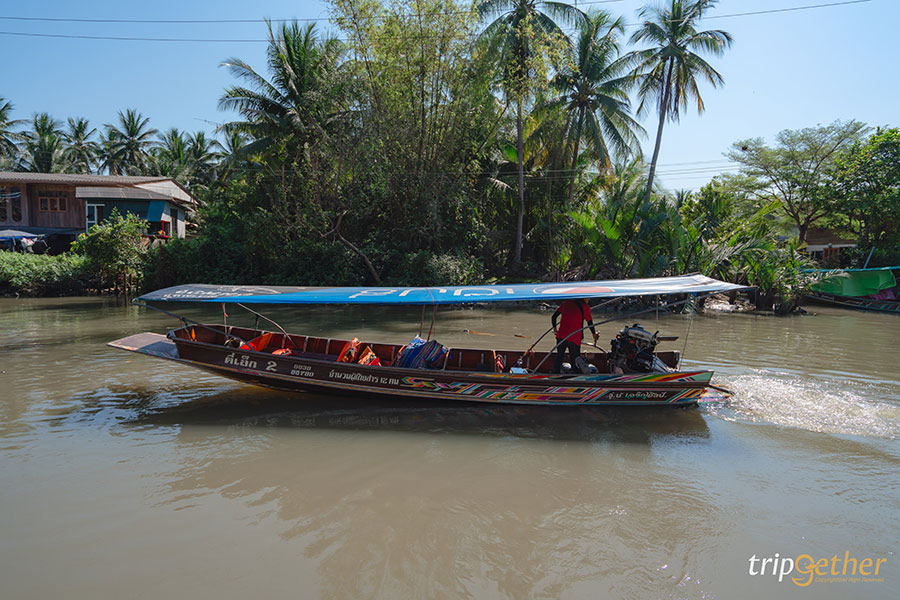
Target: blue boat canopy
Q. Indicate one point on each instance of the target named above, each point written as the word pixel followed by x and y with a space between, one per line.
pixel 250 294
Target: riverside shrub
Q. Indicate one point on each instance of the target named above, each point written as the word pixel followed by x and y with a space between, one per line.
pixel 43 275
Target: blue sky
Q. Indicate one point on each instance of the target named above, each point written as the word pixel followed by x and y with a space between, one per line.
pixel 785 70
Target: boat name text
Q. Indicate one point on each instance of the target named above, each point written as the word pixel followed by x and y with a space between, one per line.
pixel 242 361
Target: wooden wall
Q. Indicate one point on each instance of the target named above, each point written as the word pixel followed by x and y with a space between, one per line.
pixel 8 222
pixel 73 218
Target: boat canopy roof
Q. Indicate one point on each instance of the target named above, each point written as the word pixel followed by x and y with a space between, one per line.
pixel 251 294
pixel 855 282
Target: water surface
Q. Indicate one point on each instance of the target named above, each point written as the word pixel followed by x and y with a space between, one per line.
pixel 125 476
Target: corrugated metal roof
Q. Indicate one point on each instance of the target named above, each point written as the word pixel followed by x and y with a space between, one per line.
pixel 120 193
pixel 823 237
pixel 73 179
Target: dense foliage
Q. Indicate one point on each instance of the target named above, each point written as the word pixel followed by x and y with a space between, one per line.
pixel 437 142
pixel 43 275
pixel 113 251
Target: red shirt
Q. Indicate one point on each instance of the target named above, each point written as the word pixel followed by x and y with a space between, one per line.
pixel 574 314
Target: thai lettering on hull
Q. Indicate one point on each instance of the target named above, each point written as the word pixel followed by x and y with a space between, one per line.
pixel 240 361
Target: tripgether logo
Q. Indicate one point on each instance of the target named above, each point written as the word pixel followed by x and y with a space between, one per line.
pixel 821 570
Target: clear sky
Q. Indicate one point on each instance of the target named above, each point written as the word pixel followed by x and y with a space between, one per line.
pixel 785 70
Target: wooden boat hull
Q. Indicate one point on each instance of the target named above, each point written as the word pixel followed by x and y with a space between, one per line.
pixel 299 373
pixel 854 302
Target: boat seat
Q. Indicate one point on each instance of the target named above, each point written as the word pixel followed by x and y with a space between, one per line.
pixel 267 342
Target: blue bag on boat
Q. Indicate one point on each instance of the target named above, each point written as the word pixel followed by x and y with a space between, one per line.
pixel 423 355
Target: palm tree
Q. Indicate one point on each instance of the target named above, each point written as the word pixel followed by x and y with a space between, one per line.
pixel 43 147
pixel 80 151
pixel 667 73
pixel 169 157
pixel 202 154
pixel 107 158
pixel 519 33
pixel 129 145
pixel 232 155
pixel 302 100
pixel 593 91
pixel 9 139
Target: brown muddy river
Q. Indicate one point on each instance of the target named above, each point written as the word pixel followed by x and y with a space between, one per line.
pixel 122 476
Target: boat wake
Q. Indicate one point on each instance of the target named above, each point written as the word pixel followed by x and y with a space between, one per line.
pixel 826 406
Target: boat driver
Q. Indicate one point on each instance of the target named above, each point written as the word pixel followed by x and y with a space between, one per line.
pixel 574 314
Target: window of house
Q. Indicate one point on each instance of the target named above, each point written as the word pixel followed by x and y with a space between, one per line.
pixel 10 203
pixel 52 201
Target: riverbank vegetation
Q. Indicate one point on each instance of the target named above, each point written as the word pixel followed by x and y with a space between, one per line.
pixel 433 142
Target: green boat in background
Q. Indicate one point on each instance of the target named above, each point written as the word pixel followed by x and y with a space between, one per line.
pixel 863 289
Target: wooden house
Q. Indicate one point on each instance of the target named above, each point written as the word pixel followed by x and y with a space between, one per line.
pixel 61 206
pixel 826 244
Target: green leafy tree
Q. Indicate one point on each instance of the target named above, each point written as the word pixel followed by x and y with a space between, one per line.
pixel 867 186
pixel 796 171
pixel 422 130
pixel 114 251
pixel 612 230
pixel 525 34
pixel 593 91
pixel 668 73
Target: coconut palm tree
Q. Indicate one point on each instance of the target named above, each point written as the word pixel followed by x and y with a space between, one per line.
pixel 301 101
pixel 169 157
pixel 593 89
pixel 106 157
pixel 667 72
pixel 44 145
pixel 80 151
pixel 129 144
pixel 202 153
pixel 519 34
pixel 231 155
pixel 9 139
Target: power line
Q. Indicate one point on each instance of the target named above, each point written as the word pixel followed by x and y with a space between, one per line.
pixel 128 38
pixel 230 21
pixel 789 9
pixel 411 36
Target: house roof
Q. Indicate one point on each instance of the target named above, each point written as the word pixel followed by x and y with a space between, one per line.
pixel 76 179
pixel 120 193
pixel 823 237
pixel 156 188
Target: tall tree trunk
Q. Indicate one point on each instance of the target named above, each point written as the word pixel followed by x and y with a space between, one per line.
pixel 663 110
pixel 575 157
pixel 520 155
pixel 802 229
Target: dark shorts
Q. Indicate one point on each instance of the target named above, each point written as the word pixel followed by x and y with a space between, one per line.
pixel 574 352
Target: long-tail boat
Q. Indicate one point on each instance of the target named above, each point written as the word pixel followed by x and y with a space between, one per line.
pixel 874 289
pixel 635 374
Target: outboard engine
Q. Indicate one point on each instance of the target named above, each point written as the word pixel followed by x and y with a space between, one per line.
pixel 632 352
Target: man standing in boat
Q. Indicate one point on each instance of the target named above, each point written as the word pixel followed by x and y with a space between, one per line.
pixel 568 332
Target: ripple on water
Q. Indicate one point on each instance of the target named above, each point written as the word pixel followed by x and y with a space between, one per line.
pixel 826 406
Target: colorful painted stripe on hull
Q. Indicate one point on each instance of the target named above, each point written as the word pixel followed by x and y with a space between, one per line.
pixel 689 376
